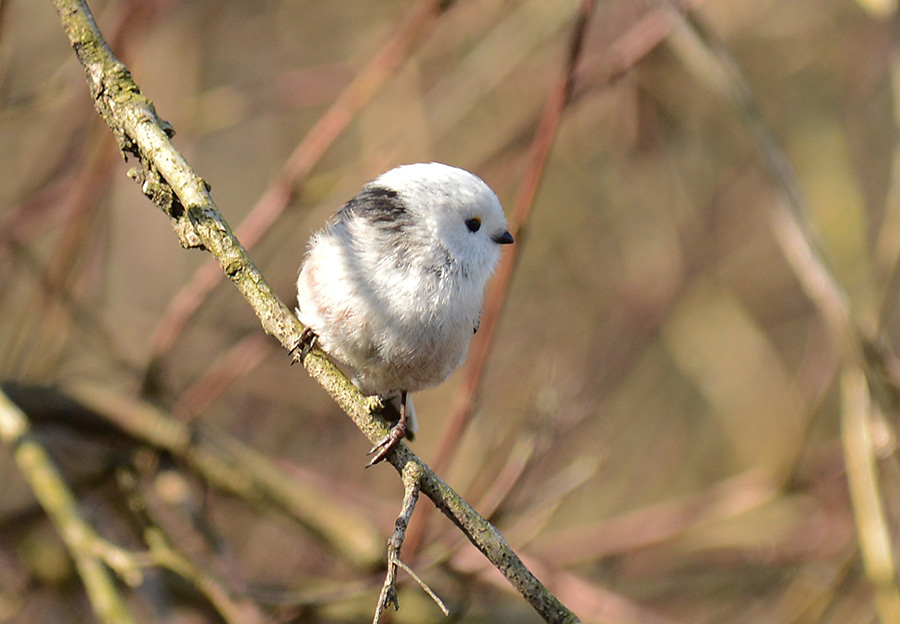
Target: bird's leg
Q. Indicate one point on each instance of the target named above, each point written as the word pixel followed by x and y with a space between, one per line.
pixel 392 439
pixel 304 345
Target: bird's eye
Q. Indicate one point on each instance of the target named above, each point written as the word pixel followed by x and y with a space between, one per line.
pixel 474 224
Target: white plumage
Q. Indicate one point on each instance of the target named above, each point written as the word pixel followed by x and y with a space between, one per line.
pixel 393 286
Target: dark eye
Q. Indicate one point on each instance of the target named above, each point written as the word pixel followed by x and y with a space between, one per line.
pixel 474 224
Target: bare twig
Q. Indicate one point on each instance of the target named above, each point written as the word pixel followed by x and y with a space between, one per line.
pixel 485 537
pixel 411 476
pixel 425 587
pixel 170 182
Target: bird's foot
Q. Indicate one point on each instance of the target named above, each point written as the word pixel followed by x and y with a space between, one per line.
pixel 304 345
pixel 387 444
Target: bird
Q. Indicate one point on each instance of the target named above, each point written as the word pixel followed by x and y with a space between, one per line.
pixel 392 287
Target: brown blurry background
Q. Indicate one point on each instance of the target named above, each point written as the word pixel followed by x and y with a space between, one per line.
pixel 658 430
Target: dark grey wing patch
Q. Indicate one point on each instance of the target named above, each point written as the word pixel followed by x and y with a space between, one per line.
pixel 382 207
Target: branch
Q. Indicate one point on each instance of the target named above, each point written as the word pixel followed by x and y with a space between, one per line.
pixel 412 476
pixel 167 179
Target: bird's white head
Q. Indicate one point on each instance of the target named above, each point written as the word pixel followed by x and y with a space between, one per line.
pixel 455 209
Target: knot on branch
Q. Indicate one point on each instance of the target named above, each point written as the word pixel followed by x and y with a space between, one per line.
pixel 160 193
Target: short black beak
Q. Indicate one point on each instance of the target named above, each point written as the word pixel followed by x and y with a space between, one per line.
pixel 503 239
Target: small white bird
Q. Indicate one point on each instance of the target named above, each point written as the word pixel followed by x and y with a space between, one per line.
pixel 393 286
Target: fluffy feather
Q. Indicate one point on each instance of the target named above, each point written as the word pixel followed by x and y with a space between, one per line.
pixel 393 286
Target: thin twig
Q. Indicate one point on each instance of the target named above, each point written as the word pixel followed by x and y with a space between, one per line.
pixel 425 587
pixel 411 476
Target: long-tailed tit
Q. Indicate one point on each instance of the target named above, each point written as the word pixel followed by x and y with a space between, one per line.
pixel 392 287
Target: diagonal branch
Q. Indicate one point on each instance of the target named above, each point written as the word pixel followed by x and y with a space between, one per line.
pixel 169 181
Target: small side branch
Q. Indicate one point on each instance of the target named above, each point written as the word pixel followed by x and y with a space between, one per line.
pixel 412 476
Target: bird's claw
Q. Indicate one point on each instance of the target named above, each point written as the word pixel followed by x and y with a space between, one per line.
pixel 304 345
pixel 387 444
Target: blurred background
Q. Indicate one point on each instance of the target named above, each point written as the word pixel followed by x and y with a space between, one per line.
pixel 660 429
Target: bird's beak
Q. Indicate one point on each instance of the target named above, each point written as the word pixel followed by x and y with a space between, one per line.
pixel 503 239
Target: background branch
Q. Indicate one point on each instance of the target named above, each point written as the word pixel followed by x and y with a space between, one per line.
pixel 91 553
